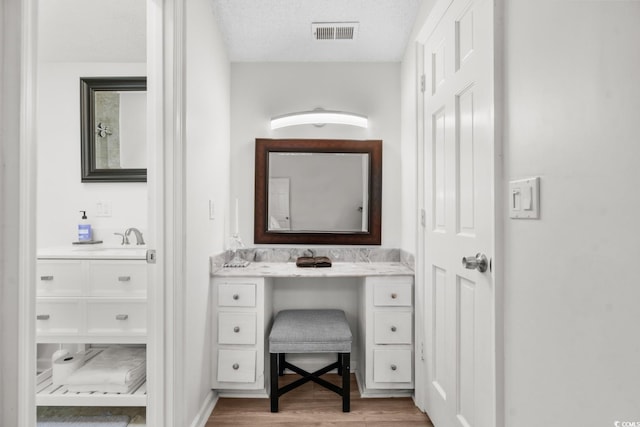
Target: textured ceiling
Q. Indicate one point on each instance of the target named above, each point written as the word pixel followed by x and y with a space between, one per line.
pixel 253 30
pixel 280 30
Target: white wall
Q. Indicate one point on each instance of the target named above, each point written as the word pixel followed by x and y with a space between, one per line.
pixel 262 90
pixel 207 178
pixel 9 203
pixel 571 290
pixel 60 193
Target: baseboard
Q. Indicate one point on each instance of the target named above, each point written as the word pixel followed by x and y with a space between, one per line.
pixel 205 410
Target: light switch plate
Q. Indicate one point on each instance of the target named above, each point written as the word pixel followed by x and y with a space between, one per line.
pixel 524 198
pixel 103 208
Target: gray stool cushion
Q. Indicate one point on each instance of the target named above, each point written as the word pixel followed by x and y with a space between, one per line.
pixel 310 331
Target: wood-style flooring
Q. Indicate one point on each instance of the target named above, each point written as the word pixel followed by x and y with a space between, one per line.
pixel 313 405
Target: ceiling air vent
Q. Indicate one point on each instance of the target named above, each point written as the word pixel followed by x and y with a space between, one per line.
pixel 334 30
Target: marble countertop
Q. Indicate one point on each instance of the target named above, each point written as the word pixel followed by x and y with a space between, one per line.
pixel 98 251
pixel 338 269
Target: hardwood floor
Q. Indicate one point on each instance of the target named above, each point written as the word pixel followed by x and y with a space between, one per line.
pixel 313 405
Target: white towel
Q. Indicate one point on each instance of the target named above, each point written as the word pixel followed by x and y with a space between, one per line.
pixel 114 370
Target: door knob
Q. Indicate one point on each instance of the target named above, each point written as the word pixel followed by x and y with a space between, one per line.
pixel 478 262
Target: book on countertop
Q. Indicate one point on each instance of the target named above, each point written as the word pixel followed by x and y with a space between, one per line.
pixel 308 261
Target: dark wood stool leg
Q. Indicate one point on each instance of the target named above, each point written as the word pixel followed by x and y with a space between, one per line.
pixel 274 382
pixel 340 364
pixel 281 364
pixel 346 386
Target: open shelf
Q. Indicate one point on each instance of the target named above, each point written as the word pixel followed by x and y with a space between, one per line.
pixel 49 395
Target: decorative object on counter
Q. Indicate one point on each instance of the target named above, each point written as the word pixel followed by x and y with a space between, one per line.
pixel 310 261
pixel 236 244
pixel 90 242
pixel 84 228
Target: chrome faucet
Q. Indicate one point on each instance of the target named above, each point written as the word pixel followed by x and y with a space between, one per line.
pixel 138 234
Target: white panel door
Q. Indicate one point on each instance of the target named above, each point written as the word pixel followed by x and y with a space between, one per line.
pixel 459 204
pixel 279 207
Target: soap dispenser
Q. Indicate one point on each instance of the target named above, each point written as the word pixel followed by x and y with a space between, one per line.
pixel 84 229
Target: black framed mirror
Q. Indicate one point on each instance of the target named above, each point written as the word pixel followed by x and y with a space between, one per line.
pixel 318 191
pixel 113 119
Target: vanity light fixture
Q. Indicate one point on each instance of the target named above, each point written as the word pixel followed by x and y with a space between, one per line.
pixel 319 117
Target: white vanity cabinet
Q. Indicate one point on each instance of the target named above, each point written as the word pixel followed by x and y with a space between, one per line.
pixel 239 324
pixel 84 297
pixel 91 300
pixel 385 367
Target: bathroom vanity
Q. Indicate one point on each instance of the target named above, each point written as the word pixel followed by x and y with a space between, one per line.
pixel 244 301
pixel 90 295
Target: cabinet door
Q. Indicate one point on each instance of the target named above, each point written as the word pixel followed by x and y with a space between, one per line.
pixel 237 295
pixel 393 294
pixel 59 278
pixel 236 328
pixel 237 366
pixel 117 278
pixel 116 318
pixel 392 366
pixel 392 327
pixel 58 318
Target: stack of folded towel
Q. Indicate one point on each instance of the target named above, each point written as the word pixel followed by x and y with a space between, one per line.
pixel 115 370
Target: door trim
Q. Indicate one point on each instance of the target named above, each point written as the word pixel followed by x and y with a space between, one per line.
pixel 27 217
pixel 166 129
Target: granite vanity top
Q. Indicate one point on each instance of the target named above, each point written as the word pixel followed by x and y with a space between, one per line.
pixel 346 262
pixel 338 269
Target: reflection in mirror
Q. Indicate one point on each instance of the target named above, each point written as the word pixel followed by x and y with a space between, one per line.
pixel 113 124
pixel 120 118
pixel 318 191
pixel 303 197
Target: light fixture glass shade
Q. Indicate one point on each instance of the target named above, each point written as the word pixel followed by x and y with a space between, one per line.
pixel 319 117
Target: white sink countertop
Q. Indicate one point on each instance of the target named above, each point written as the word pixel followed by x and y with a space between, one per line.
pixel 97 251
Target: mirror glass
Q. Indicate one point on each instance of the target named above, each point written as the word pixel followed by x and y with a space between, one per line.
pixel 303 197
pixel 113 112
pixel 311 191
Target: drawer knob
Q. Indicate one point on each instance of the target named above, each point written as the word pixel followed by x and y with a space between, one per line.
pixel 236 297
pixel 122 316
pixel 43 317
pixel 124 278
pixel 394 295
pixel 236 329
pixel 393 329
pixel 49 278
pixel 394 367
pixel 235 366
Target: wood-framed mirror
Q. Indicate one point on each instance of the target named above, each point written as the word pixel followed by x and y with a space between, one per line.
pixel 113 119
pixel 318 191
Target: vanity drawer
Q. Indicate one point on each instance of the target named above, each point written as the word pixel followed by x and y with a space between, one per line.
pixel 116 317
pixel 237 366
pixel 392 327
pixel 237 295
pixel 59 278
pixel 58 318
pixel 392 366
pixel 117 278
pixel 393 294
pixel 237 328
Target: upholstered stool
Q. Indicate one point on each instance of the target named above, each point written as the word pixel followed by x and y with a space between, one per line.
pixel 310 331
